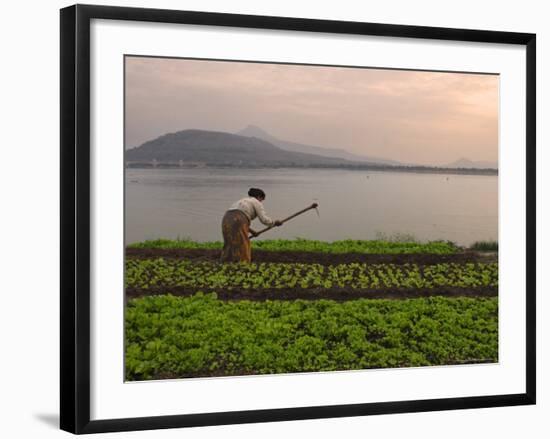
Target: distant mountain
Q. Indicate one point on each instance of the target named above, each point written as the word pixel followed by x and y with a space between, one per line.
pixel 470 164
pixel 200 148
pixel 221 149
pixel 254 131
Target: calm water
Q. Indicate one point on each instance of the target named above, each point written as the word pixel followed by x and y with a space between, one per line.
pixel 190 203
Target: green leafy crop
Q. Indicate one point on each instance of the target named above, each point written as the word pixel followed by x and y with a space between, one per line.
pixel 307 245
pixel 170 337
pixel 145 273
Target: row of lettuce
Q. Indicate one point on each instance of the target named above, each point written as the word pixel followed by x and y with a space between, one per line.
pixel 146 273
pixel 309 245
pixel 168 337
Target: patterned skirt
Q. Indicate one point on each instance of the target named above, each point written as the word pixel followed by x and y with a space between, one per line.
pixel 236 244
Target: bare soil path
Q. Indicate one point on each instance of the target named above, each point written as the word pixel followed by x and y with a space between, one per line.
pixel 317 257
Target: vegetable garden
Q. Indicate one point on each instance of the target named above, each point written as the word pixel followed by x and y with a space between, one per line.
pixel 382 304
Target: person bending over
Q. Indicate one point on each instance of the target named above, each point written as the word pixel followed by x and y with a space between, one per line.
pixel 236 226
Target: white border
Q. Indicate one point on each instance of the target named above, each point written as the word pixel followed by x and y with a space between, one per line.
pixel 112 398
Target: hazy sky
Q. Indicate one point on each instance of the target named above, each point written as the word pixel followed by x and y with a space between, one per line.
pixel 412 117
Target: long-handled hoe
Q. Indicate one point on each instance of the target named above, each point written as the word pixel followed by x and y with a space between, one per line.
pixel 313 206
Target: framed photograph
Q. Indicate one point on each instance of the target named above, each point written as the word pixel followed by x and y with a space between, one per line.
pixel 275 218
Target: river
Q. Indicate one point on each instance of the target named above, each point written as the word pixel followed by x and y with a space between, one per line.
pixel 190 203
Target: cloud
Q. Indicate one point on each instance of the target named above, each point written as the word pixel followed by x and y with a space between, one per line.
pixel 411 116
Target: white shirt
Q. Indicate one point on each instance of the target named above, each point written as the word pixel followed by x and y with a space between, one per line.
pixel 252 208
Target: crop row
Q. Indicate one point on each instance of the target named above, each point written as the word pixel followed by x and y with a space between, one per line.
pixel 147 273
pixel 169 337
pixel 307 245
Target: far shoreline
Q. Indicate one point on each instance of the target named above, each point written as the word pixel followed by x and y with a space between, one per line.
pixel 365 168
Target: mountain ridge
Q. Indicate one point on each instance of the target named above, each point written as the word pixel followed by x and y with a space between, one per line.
pixel 255 131
pixel 221 148
pixel 466 163
pixel 196 147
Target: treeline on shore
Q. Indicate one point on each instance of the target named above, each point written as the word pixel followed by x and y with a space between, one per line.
pixel 353 167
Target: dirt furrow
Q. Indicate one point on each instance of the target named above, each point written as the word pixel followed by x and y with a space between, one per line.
pixel 337 294
pixel 316 258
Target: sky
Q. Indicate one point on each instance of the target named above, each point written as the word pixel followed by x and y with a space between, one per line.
pixel 428 118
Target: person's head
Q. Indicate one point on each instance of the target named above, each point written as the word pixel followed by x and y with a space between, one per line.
pixel 256 193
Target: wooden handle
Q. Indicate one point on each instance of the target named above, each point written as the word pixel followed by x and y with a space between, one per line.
pixel 313 206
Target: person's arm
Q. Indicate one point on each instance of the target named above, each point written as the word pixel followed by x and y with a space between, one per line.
pixel 260 212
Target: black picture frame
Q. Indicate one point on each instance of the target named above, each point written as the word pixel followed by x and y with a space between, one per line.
pixel 75 217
